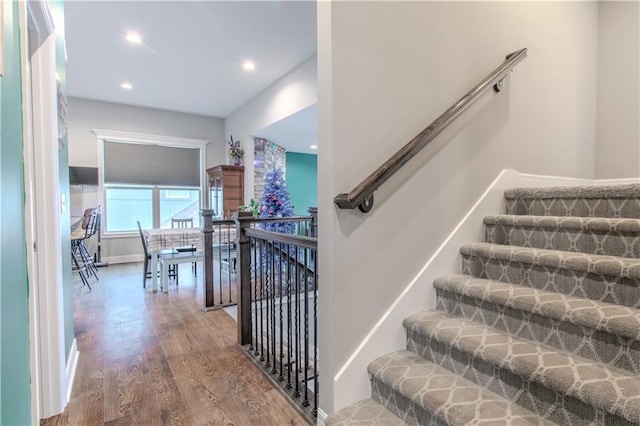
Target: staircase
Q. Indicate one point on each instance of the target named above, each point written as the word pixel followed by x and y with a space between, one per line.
pixel 541 327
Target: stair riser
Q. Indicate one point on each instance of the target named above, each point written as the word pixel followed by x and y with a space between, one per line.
pixel 535 397
pixel 408 411
pixel 610 289
pixel 594 207
pixel 598 345
pixel 573 241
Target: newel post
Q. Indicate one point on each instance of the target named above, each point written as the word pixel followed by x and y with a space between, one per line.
pixel 313 211
pixel 243 221
pixel 207 262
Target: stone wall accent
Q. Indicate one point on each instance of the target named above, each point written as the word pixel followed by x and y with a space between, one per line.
pixel 266 156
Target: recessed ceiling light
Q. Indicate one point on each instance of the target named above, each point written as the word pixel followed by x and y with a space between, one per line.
pixel 133 37
pixel 248 66
pixel 126 86
pixel 314 147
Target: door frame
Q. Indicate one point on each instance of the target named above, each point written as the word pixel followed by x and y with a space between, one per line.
pixel 50 378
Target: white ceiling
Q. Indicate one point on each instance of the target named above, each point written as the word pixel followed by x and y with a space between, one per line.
pixel 192 52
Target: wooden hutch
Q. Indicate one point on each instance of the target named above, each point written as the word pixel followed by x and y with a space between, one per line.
pixel 226 189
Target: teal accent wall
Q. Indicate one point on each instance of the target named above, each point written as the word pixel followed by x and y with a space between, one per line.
pixel 302 181
pixel 15 381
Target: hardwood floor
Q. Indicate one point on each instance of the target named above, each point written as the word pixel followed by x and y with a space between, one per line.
pixel 152 358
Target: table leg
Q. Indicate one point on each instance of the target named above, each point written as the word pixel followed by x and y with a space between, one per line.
pixel 165 276
pixel 154 270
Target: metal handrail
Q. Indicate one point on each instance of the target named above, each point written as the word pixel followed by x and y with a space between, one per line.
pixel 362 195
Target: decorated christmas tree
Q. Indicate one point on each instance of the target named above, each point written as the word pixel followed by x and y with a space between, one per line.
pixel 276 201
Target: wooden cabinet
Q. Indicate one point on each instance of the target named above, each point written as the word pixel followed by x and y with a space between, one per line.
pixel 226 189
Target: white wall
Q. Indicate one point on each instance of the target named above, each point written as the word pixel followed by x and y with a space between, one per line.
pixel 387 69
pixel 618 134
pixel 295 91
pixel 86 115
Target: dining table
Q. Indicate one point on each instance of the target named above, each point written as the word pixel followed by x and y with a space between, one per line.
pixel 159 239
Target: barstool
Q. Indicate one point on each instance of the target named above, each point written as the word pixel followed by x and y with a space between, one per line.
pixel 82 260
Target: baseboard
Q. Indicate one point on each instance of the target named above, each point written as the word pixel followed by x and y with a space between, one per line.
pixel 544 180
pixel 617 181
pixel 322 416
pixel 123 259
pixel 72 364
pixel 351 382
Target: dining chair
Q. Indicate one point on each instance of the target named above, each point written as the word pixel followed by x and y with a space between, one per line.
pixel 182 223
pixel 185 223
pixel 173 272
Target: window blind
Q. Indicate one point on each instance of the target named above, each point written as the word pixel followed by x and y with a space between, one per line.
pixel 151 165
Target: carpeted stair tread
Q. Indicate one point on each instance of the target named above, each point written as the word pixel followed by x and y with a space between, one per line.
pixel 365 412
pixel 614 319
pixel 586 201
pixel 611 389
pixel 584 191
pixel 568 223
pixel 453 399
pixel 593 235
pixel 573 261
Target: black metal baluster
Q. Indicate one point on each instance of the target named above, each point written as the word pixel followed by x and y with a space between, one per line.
pixel 252 291
pixel 289 331
pixel 219 262
pixel 267 318
pixel 281 354
pixel 262 274
pixel 305 403
pixel 274 370
pixel 255 292
pixel 296 393
pixel 229 263
pixel 315 334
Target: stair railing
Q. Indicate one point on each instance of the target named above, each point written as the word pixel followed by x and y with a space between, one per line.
pixel 362 195
pixel 221 257
pixel 278 308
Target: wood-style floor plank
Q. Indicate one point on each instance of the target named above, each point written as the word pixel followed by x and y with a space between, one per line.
pixel 155 359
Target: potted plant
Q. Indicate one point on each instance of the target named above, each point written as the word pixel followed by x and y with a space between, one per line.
pixel 235 151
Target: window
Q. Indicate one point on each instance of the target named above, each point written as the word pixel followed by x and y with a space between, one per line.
pixel 184 207
pixel 176 194
pixel 150 179
pixel 125 205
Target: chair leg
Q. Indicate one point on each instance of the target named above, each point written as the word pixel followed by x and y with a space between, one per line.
pixel 144 275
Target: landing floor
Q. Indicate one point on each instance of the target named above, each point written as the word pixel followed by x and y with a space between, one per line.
pixel 152 358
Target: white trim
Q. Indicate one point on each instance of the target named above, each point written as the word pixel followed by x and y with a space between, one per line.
pixel 322 417
pixel 351 382
pixel 617 181
pixel 148 139
pixel 48 223
pixel 25 18
pixel 112 260
pixel 118 235
pixel 72 364
pixel 40 20
pixel 42 211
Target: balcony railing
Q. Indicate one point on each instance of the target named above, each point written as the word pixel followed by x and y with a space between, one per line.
pixel 268 267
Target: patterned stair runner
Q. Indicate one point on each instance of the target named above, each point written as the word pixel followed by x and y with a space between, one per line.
pixel 542 327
